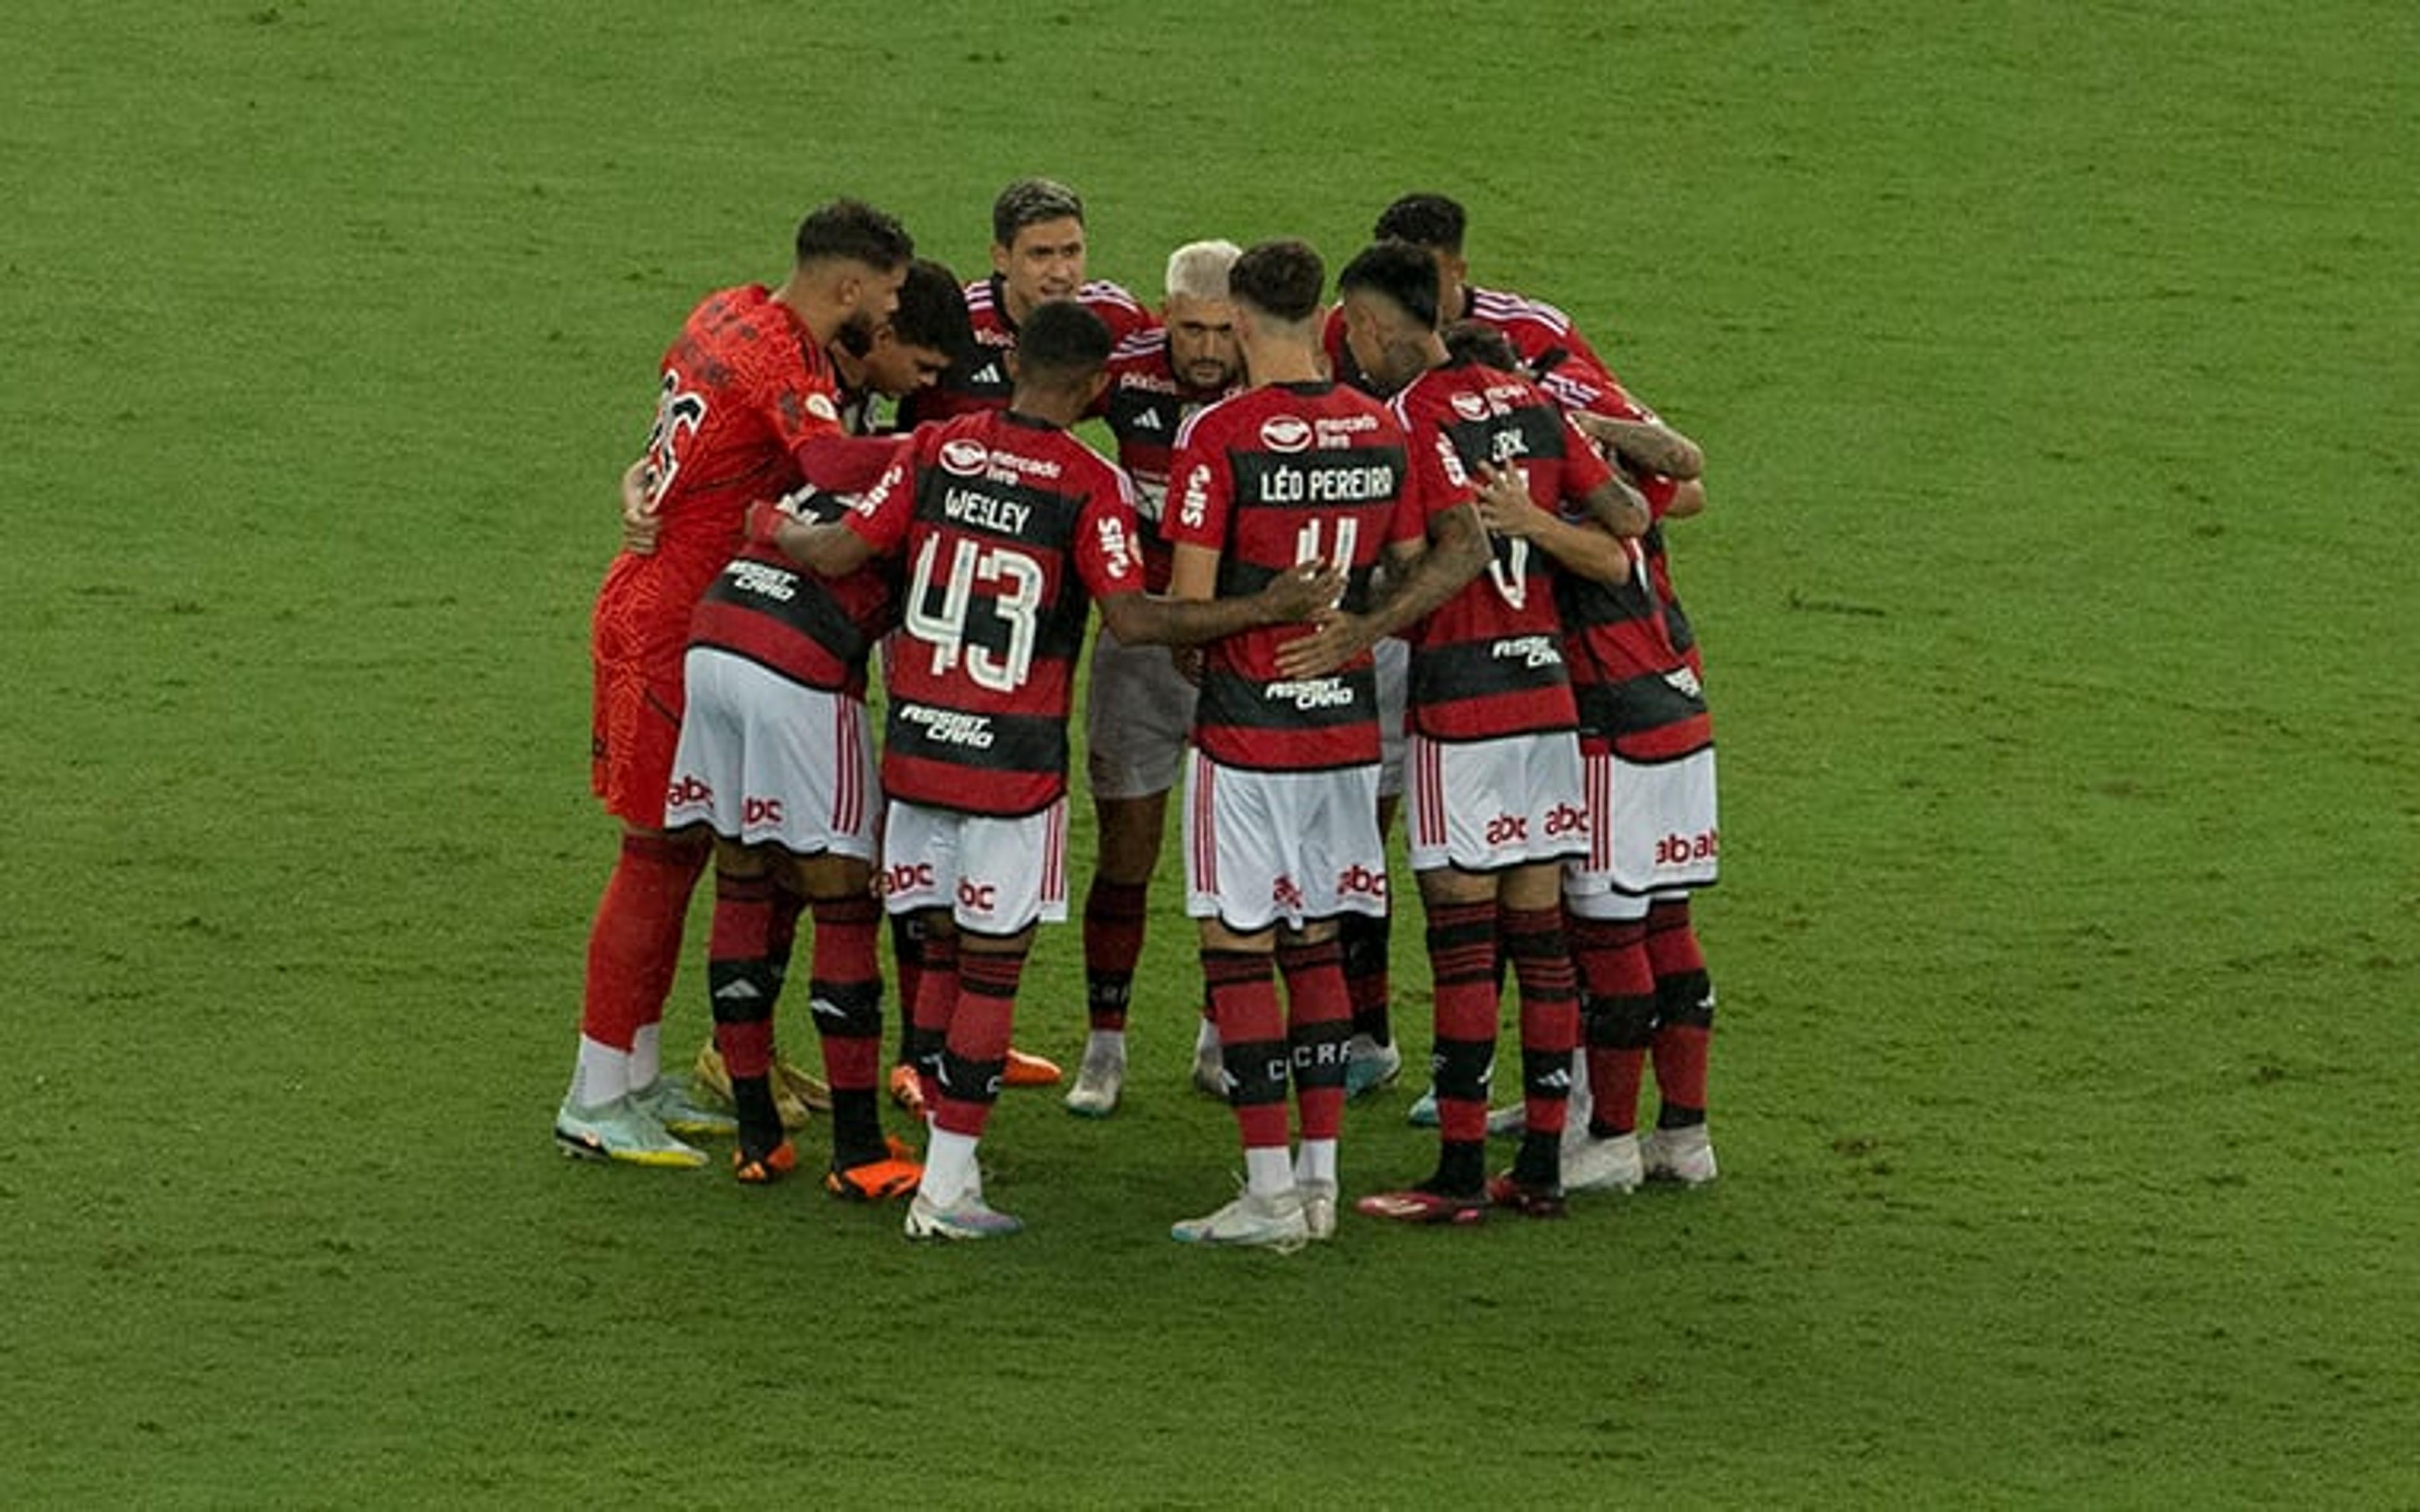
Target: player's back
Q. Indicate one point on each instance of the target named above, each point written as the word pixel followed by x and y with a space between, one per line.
pixel 993 613
pixel 1145 406
pixel 1281 474
pixel 741 383
pixel 1487 662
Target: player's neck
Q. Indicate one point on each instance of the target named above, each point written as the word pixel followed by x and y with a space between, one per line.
pixel 821 318
pixel 1282 362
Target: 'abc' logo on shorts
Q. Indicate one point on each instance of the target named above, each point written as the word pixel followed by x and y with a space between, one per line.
pixel 687 791
pixel 753 811
pixel 908 876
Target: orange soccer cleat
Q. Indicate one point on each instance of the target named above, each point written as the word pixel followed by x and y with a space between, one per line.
pixel 1030 1070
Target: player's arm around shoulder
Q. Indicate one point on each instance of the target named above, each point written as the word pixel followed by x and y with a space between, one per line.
pixel 1188 618
pixel 1588 546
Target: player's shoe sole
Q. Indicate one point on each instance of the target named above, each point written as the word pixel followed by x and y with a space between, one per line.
pixel 1250 1222
pixel 619 1130
pixel 1414 1205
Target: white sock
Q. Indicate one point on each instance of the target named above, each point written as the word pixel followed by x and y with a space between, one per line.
pixel 1110 1042
pixel 646 1058
pixel 949 1167
pixel 602 1075
pixel 1268 1172
pixel 1317 1162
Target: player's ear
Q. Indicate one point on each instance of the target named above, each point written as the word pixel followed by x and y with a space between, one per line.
pixel 998 259
pixel 1093 390
pixel 1009 362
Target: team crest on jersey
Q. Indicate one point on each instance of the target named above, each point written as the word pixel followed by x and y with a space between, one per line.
pixel 965 458
pixel 1285 433
pixel 821 407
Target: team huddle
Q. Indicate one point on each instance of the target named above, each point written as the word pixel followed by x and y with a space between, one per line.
pixel 1397 550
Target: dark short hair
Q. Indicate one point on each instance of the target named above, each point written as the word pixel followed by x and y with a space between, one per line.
pixel 1280 279
pixel 932 310
pixel 1430 221
pixel 1061 343
pixel 1031 202
pixel 1402 271
pixel 855 230
pixel 1476 340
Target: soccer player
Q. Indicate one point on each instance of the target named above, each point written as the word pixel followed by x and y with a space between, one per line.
pixel 746 407
pixel 1138 712
pixel 925 334
pixel 1280 830
pixel 1495 765
pixel 1037 253
pixel 1676 1034
pixel 1011 527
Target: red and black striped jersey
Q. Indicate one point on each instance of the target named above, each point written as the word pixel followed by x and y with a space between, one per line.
pixel 808 627
pixel 1007 528
pixel 1636 692
pixel 1145 406
pixel 1277 475
pixel 1488 662
pixel 981 381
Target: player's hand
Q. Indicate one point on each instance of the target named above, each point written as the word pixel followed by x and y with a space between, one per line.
pixel 765 519
pixel 1505 506
pixel 1339 637
pixel 1189 661
pixel 1302 591
pixel 640 521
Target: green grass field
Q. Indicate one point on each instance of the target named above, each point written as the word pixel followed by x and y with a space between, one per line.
pixel 2056 364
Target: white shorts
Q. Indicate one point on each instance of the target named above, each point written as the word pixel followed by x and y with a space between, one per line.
pixel 1138 719
pixel 1264 848
pixel 1486 805
pixel 1654 831
pixel 1394 658
pixel 766 761
pixel 995 875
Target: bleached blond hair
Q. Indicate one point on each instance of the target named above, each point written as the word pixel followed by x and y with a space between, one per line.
pixel 1198 270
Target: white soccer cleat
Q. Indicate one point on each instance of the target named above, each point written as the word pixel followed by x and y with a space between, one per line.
pixel 1098 1084
pixel 1685 1155
pixel 621 1131
pixel 1318 1208
pixel 1591 1164
pixel 1508 1122
pixel 681 1111
pixel 1369 1065
pixel 966 1218
pixel 1276 1222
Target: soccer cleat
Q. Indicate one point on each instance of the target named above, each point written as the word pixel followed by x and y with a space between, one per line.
pixel 1318 1208
pixel 810 1093
pixel 1415 1205
pixel 908 1090
pixel 1591 1164
pixel 1253 1221
pixel 1514 1194
pixel 1098 1084
pixel 712 1079
pixel 1508 1122
pixel 967 1218
pixel 764 1170
pixel 1685 1155
pixel 891 1174
pixel 1369 1065
pixel 670 1100
pixel 620 1130
pixel 1029 1071
pixel 1210 1072
pixel 1423 1113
